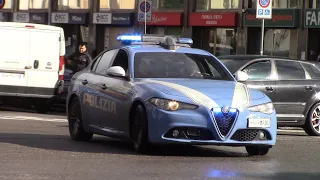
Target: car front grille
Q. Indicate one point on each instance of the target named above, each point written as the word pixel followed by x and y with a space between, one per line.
pixel 249 135
pixel 224 121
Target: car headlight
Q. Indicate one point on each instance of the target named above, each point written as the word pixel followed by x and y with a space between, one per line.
pixel 266 108
pixel 171 105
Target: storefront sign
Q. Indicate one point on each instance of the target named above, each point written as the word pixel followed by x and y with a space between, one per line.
pixel 122 18
pixel 102 18
pixel 69 18
pixel 77 18
pixel 59 18
pixel 222 19
pixel 312 18
pixel 21 17
pixel 280 18
pixel 4 16
pixel 40 18
pixel 165 19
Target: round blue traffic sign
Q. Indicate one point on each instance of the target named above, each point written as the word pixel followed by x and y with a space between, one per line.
pixel 264 3
pixel 142 7
pixel 2 3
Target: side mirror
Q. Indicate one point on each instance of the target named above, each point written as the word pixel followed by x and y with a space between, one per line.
pixel 241 76
pixel 116 71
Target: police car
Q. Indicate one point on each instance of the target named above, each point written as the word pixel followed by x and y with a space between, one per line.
pixel 158 90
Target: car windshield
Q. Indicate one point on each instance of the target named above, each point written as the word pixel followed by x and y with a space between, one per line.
pixel 178 65
pixel 233 65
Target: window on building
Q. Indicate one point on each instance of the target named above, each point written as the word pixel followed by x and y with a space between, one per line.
pixel 217 4
pixel 117 4
pixel 279 4
pixel 73 4
pixel 280 42
pixel 314 4
pixel 33 4
pixel 8 4
pixel 171 4
pixel 222 41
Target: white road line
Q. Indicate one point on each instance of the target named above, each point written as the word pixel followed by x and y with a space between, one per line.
pixel 30 118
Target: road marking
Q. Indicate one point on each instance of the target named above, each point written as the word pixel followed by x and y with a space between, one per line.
pixel 32 118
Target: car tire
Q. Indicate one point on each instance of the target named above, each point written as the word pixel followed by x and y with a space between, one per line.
pixel 308 126
pixel 139 129
pixel 257 150
pixel 76 129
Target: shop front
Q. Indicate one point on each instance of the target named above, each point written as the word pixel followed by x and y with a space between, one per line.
pixel 164 23
pixel 312 22
pixel 75 26
pixel 31 17
pixel 214 32
pixel 280 34
pixel 5 16
pixel 109 26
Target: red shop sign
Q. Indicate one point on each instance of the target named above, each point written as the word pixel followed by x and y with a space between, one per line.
pixel 223 19
pixel 165 19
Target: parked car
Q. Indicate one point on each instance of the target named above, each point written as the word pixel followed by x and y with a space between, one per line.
pixel 292 85
pixel 158 90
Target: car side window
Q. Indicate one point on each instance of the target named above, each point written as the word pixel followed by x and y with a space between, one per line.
pixel 290 70
pixel 258 70
pixel 122 60
pixel 312 70
pixel 95 63
pixel 105 61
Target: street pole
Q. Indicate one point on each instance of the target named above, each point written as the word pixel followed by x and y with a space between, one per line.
pixel 262 37
pixel 145 16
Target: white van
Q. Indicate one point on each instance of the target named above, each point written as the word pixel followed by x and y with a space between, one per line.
pixel 31 63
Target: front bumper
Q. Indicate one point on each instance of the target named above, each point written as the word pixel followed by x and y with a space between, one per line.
pixel 197 127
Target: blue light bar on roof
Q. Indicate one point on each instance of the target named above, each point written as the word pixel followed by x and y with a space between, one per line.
pixel 133 38
pixel 185 41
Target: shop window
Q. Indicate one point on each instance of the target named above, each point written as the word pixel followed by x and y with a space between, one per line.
pixel 171 4
pixel 280 42
pixel 73 4
pixel 279 4
pixel 117 4
pixel 222 41
pixel 33 4
pixel 8 4
pixel 217 4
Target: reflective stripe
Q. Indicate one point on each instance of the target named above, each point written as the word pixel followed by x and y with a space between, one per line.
pixel 195 96
pixel 241 96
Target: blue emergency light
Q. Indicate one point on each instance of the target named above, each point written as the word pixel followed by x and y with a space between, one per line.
pixel 169 42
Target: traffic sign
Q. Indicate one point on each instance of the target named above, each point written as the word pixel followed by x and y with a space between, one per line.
pixel 145 8
pixel 264 9
pixel 2 3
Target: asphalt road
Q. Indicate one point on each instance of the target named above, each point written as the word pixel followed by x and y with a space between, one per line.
pixel 34 147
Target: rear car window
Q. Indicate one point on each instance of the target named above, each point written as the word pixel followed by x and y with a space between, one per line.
pixel 312 70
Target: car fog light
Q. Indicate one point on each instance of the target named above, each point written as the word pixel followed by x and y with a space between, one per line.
pixel 261 135
pixel 175 133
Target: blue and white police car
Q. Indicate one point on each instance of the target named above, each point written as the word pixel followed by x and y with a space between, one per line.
pixel 158 90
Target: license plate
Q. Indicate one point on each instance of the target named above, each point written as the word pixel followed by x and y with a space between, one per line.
pixel 11 75
pixel 259 122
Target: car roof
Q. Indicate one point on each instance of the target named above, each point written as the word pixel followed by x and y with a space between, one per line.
pixel 157 48
pixel 249 57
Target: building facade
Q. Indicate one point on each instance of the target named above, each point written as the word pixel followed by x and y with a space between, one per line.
pixel 219 26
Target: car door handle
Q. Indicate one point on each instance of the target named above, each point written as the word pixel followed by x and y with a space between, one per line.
pixel 269 88
pixel 84 82
pixel 103 86
pixel 308 87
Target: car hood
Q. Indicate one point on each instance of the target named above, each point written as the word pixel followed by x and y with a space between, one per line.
pixel 215 92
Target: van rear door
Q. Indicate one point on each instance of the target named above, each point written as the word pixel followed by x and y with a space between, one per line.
pixel 14 59
pixel 44 59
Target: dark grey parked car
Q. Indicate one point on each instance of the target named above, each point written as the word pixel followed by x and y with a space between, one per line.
pixel 293 86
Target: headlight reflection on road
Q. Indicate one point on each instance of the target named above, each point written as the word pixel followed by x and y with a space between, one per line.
pixel 217 173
